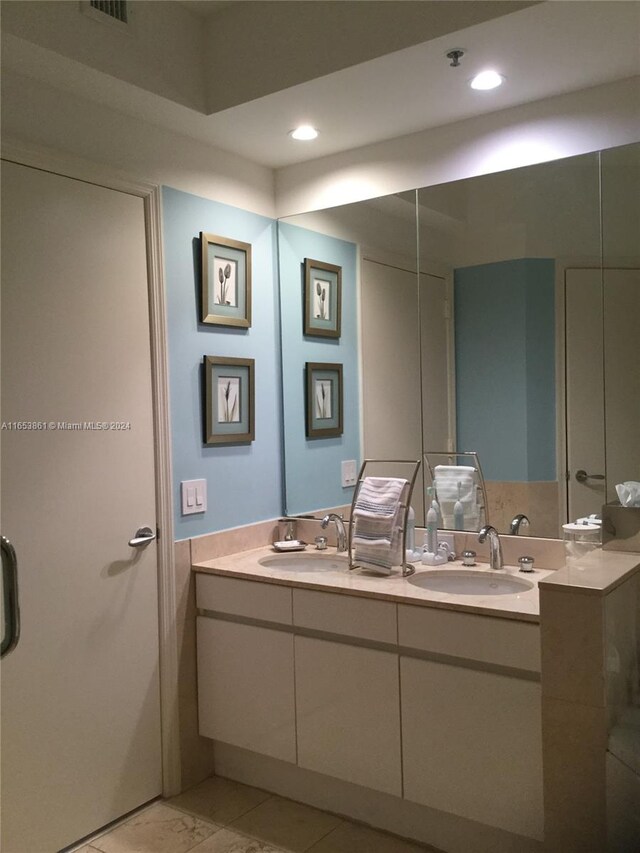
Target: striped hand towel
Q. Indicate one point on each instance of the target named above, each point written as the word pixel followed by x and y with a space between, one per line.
pixel 377 517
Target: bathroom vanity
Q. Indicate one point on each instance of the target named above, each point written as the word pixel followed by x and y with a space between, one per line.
pixel 465 720
pixel 431 699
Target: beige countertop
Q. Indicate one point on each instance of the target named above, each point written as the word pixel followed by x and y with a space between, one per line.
pixel 522 606
pixel 597 573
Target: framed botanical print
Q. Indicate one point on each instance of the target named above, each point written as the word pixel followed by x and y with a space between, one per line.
pixel 229 400
pixel 226 281
pixel 324 399
pixel 322 299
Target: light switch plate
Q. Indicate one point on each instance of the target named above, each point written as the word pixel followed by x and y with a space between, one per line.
pixel 349 473
pixel 194 496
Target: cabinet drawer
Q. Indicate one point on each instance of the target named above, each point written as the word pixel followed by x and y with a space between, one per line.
pixel 503 642
pixel 251 599
pixel 345 614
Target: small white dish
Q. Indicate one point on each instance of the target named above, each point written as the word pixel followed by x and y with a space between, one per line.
pixel 289 545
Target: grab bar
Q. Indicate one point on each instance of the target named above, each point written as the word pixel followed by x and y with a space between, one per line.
pixel 10 597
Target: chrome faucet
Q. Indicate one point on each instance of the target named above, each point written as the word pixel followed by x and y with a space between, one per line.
pixel 340 531
pixel 518 521
pixel 495 546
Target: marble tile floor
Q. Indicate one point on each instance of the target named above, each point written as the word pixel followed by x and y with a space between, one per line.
pixel 221 816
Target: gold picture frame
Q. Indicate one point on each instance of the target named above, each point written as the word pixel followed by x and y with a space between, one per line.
pixel 226 281
pixel 229 400
pixel 324 399
pixel 322 299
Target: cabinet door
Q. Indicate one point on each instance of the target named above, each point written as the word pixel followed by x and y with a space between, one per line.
pixel 245 687
pixel 472 744
pixel 348 712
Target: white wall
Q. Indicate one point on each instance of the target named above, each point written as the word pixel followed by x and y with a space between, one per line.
pixel 38 114
pixel 384 228
pixel 550 210
pixel 588 120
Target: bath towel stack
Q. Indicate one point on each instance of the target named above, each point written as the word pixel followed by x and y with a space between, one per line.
pixel 446 479
pixel 378 516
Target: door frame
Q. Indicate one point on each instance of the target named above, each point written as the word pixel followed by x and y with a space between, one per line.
pixel 86 171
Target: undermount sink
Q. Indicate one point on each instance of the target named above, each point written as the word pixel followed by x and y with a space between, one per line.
pixel 462 582
pixel 314 562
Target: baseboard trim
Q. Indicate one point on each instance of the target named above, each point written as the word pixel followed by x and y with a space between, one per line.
pixel 382 811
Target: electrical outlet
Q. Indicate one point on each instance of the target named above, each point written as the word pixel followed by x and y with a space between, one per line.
pixel 349 473
pixel 194 496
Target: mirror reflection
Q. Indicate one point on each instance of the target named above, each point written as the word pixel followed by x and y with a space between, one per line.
pixel 481 315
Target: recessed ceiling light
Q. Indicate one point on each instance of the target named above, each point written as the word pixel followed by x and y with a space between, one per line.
pixel 486 80
pixel 305 131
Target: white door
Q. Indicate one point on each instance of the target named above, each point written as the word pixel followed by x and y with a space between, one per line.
pixel 438 367
pixel 622 376
pixel 80 693
pixel 390 379
pixel 602 352
pixel 585 398
pixel 393 341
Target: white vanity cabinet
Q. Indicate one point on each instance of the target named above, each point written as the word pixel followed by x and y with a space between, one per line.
pixel 439 707
pixel 245 671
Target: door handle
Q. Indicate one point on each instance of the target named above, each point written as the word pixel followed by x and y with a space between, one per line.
pixel 143 536
pixel 10 596
pixel 582 476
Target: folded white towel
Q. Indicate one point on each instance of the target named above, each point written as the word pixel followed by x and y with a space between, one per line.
pixel 377 516
pixel 454 471
pixel 446 479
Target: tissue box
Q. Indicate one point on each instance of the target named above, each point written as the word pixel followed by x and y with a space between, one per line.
pixel 620 527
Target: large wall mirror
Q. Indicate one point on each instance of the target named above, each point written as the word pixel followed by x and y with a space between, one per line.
pixel 497 314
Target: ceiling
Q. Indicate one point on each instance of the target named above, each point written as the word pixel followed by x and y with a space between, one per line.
pixel 205 8
pixel 546 49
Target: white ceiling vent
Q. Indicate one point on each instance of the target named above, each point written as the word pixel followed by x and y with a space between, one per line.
pixel 109 11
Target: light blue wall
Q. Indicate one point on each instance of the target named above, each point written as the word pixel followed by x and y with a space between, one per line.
pixel 505 367
pixel 313 466
pixel 244 482
pixel 541 369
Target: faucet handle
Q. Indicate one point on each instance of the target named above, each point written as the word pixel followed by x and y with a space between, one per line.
pixel 526 564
